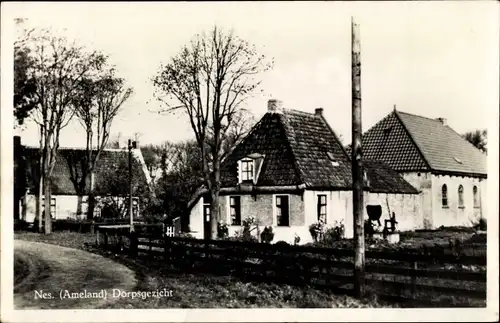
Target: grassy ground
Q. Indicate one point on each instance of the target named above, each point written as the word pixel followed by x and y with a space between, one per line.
pixel 195 291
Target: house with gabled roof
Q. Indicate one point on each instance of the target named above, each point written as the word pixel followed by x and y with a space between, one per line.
pixel 449 171
pixel 65 202
pixel 290 171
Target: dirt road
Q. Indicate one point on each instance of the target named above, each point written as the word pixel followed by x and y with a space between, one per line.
pixel 49 277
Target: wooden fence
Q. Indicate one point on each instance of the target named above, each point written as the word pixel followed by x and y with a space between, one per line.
pixel 421 279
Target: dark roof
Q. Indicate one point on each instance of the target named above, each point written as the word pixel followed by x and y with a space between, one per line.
pixel 299 148
pixel 407 142
pixel 68 162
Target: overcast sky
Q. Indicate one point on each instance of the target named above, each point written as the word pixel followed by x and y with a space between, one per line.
pixel 436 59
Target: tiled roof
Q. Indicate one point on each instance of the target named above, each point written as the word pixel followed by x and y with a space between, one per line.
pixel 408 142
pixel 442 147
pixel 68 160
pixel 299 148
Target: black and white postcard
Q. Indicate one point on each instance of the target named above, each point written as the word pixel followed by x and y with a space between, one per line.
pixel 249 161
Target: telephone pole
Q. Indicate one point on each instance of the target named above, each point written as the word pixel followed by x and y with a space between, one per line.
pixel 357 165
pixel 131 145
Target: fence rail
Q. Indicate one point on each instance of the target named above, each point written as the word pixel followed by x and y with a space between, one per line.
pixel 392 275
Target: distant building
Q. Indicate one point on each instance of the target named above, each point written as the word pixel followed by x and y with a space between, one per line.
pixel 65 202
pixel 450 171
pixel 290 171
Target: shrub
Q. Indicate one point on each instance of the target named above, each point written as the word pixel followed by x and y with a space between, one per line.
pixel 222 230
pixel 296 239
pixel 481 225
pixel 267 235
pixel 245 234
pixel 282 243
pixel 335 233
pixel 317 230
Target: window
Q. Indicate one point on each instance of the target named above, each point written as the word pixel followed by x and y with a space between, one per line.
pixel 52 206
pixel 460 196
pixel 444 195
pixel 282 210
pixel 235 210
pixel 332 159
pixel 206 208
pixel 476 196
pixel 322 208
pixel 247 170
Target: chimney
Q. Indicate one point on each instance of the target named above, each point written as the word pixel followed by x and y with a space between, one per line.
pixel 274 106
pixel 318 111
pixel 443 121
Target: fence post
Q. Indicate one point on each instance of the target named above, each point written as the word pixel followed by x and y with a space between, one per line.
pixel 92 229
pixel 414 279
pixel 133 244
pixel 105 239
pixel 97 238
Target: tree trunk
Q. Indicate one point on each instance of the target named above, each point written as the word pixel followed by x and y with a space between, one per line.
pixel 91 199
pixel 214 213
pixel 214 207
pixel 79 202
pixel 38 207
pixel 47 196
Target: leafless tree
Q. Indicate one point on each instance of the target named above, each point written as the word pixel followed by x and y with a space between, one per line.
pixel 98 102
pixel 58 68
pixel 208 80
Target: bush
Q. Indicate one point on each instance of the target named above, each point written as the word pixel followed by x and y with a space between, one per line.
pixel 245 234
pixel 222 230
pixel 481 225
pixel 316 230
pixel 335 233
pixel 267 235
pixel 296 240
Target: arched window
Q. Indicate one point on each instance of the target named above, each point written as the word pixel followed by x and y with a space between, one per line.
pixel 460 196
pixel 444 195
pixel 476 196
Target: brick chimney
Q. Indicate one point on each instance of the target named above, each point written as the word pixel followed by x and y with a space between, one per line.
pixel 318 111
pixel 443 121
pixel 274 106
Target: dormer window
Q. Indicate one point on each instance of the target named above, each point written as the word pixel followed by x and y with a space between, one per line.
pixel 249 168
pixel 332 159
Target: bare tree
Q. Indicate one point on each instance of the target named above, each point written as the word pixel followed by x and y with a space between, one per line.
pixel 208 80
pixel 98 102
pixel 57 69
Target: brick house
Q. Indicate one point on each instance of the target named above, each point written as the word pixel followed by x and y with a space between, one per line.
pixel 448 170
pixel 292 170
pixel 64 200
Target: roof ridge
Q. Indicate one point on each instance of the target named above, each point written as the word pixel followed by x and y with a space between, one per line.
pixel 417 115
pixel 396 113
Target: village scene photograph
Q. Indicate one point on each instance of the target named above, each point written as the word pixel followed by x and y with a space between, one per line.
pixel 254 155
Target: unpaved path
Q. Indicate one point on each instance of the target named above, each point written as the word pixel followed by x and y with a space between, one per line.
pixel 50 269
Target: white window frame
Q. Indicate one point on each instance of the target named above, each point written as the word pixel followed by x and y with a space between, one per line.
pixel 228 211
pixel 240 169
pixel 275 216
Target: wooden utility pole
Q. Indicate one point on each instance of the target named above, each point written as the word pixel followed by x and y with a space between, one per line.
pixel 357 165
pixel 131 144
